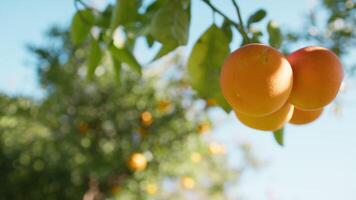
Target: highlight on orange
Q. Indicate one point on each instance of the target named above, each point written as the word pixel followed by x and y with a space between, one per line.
pixel 146 118
pixel 256 80
pixel 270 122
pixel 137 162
pixel 301 117
pixel 317 77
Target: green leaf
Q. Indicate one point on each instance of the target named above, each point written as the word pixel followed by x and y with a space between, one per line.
pixel 226 28
pixel 150 40
pixel 82 22
pixel 275 35
pixel 125 56
pixel 256 34
pixel 164 50
pixel 256 17
pixel 94 58
pixel 205 62
pixel 278 136
pixel 125 11
pixel 117 69
pixel 103 20
pixel 170 24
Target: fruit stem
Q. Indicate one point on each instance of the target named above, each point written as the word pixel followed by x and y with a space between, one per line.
pixel 242 27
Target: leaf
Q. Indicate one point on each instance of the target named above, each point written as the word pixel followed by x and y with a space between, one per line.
pixel 226 28
pixel 94 58
pixel 170 24
pixel 275 35
pixel 256 17
pixel 149 40
pixel 125 56
pixel 103 20
pixel 117 69
pixel 125 11
pixel 205 62
pixel 82 22
pixel 164 50
pixel 278 136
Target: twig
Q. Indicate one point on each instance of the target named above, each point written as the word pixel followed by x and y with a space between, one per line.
pixel 240 20
pixel 238 26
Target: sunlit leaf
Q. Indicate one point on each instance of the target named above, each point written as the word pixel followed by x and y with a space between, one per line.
pixel 278 136
pixel 94 58
pixel 125 56
pixel 226 28
pixel 164 50
pixel 275 35
pixel 117 69
pixel 170 24
pixel 82 22
pixel 125 11
pixel 205 62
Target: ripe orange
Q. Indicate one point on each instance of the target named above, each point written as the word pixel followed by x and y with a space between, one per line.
pixel 270 122
pixel 256 80
pixel 146 119
pixel 151 188
pixel 203 128
pixel 187 182
pixel 305 116
pixel 137 162
pixel 317 76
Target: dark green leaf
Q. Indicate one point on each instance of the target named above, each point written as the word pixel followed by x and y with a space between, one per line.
pixel 125 56
pixel 170 24
pixel 104 18
pixel 117 70
pixel 256 34
pixel 278 136
pixel 275 35
pixel 150 40
pixel 164 50
pixel 82 22
pixel 256 17
pixel 125 11
pixel 205 62
pixel 94 58
pixel 226 28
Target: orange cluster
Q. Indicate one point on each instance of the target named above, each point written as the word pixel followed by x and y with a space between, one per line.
pixel 267 89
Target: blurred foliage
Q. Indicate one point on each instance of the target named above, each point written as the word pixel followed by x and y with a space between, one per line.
pixel 331 23
pixel 79 138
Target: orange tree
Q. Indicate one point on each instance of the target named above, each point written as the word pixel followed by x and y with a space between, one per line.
pixel 142 139
pixel 167 22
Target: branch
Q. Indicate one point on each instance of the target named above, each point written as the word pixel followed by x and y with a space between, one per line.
pixel 239 27
pixel 240 20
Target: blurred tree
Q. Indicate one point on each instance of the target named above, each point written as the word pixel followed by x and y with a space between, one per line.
pixel 135 138
pixel 331 23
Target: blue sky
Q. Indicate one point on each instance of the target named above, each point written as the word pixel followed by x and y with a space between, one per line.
pixel 318 161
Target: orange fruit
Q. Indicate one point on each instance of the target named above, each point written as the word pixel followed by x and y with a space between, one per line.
pixel 164 105
pixel 211 102
pixel 151 189
pixel 203 128
pixel 216 149
pixel 83 127
pixel 256 80
pixel 305 116
pixel 137 162
pixel 187 182
pixel 271 122
pixel 317 76
pixel 146 118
